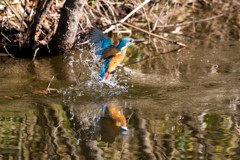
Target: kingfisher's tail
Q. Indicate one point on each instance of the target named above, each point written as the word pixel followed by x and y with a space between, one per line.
pixel 104 68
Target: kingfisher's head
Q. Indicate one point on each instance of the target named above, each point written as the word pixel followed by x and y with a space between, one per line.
pixel 126 42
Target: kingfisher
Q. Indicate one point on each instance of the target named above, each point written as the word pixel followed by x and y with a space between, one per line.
pixel 105 50
pixel 112 110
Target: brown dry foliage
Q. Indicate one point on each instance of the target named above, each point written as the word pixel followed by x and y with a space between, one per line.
pixel 157 16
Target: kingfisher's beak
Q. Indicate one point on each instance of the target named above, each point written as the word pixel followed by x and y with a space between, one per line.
pixel 138 40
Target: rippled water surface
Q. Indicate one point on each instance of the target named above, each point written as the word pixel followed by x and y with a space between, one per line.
pixel 180 104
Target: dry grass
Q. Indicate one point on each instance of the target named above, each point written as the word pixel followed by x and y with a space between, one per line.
pixel 191 18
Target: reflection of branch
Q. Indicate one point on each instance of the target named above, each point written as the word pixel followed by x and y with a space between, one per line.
pixel 129 117
pixel 144 135
pixel 200 20
pixel 151 57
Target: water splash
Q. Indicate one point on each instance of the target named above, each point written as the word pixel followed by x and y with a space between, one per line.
pixel 85 67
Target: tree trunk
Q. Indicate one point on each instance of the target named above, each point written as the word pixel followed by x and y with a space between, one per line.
pixel 68 25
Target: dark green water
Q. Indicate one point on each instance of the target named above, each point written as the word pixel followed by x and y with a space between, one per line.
pixel 181 104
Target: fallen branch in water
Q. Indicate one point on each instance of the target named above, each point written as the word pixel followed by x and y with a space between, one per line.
pixel 200 20
pixel 51 89
pixel 46 91
pixel 153 34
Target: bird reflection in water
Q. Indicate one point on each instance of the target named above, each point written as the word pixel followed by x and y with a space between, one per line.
pixel 112 122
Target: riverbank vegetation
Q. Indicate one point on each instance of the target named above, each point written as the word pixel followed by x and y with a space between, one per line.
pixel 48 27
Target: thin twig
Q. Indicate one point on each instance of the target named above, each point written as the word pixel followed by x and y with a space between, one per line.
pixel 50 84
pixel 6 37
pixel 113 3
pixel 15 12
pixel 149 28
pixel 85 42
pixel 135 10
pixel 8 52
pixel 104 10
pixel 200 20
pixel 51 89
pixel 153 34
pixel 111 8
pixel 15 25
pixel 20 35
pixel 155 25
pixel 171 15
pixel 35 54
pixel 3 43
pixel 129 15
pixel 95 10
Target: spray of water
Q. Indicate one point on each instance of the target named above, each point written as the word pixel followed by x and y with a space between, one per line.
pixel 86 72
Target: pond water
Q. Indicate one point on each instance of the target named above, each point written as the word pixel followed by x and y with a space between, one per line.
pixel 176 104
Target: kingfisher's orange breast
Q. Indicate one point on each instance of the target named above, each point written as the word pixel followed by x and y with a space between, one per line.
pixel 116 61
pixel 117 115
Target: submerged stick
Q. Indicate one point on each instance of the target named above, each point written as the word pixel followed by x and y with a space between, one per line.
pixel 153 34
pixel 50 83
pixel 51 89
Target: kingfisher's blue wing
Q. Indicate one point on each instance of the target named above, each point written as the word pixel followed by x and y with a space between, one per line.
pixel 104 68
pixel 99 41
